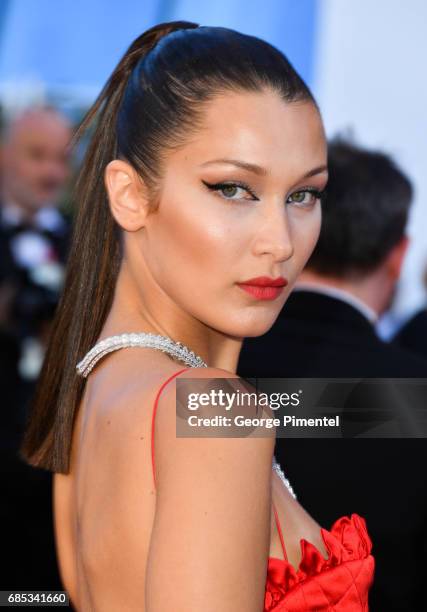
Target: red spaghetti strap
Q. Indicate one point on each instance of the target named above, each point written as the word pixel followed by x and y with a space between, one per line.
pixel 279 529
pixel 154 416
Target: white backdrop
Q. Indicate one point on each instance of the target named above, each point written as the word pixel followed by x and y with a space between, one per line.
pixel 370 76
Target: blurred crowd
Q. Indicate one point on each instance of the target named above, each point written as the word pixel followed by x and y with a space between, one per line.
pixel 34 241
pixel 326 329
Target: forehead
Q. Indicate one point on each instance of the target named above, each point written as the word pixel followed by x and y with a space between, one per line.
pixel 260 128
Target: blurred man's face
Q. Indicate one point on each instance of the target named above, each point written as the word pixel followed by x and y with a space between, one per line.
pixel 35 160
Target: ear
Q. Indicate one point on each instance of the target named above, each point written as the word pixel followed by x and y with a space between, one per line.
pixel 396 257
pixel 126 194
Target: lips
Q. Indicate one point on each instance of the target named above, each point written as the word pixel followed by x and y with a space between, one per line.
pixel 266 281
pixel 264 287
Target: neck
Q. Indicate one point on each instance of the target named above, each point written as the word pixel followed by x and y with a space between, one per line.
pixel 133 310
pixel 372 290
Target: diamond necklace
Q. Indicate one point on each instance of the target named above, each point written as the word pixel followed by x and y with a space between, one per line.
pixel 112 343
pixel 175 349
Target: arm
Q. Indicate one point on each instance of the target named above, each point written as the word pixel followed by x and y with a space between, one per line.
pixel 211 531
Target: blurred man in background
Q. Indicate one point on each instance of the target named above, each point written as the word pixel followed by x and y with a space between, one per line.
pixel 34 242
pixel 33 231
pixel 327 330
pixel 35 165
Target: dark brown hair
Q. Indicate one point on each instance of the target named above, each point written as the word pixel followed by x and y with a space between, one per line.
pixel 365 212
pixel 151 102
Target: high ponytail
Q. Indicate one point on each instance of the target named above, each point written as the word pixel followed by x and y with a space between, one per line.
pixel 153 100
pixel 91 273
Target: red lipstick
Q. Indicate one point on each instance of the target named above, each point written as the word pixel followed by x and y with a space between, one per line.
pixel 264 287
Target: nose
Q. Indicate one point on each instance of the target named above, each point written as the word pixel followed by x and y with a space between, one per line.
pixel 274 235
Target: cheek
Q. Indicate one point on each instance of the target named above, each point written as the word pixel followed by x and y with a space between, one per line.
pixel 21 168
pixel 191 246
pixel 30 171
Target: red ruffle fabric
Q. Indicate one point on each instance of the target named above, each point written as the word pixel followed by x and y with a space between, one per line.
pixel 340 583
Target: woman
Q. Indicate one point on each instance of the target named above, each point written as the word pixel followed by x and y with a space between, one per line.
pixel 205 171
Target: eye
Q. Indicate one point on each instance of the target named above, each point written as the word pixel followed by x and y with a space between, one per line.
pixel 231 191
pixel 305 197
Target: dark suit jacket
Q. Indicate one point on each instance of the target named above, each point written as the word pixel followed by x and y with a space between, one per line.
pixel 383 480
pixel 413 335
pixel 26 520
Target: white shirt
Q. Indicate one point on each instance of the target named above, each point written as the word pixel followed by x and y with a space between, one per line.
pixel 339 294
pixel 47 217
pixel 31 249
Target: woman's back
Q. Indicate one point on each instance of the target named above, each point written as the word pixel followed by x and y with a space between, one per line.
pixel 105 506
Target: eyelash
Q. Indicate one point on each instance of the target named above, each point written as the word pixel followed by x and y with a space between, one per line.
pixel 319 195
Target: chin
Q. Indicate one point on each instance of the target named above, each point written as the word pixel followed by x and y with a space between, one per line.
pixel 259 331
pixel 257 326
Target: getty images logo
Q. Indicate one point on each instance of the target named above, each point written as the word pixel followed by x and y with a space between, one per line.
pixel 226 400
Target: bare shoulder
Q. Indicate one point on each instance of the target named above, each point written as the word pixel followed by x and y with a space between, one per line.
pixel 214 384
pixel 210 537
pixel 121 393
pixel 211 382
pixel 126 390
pixel 127 380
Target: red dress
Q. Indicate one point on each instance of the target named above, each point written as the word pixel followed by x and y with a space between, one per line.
pixel 339 583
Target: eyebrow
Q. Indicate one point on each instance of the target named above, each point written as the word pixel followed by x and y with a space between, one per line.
pixel 259 169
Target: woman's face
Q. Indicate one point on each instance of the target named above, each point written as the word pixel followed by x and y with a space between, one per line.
pixel 237 202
